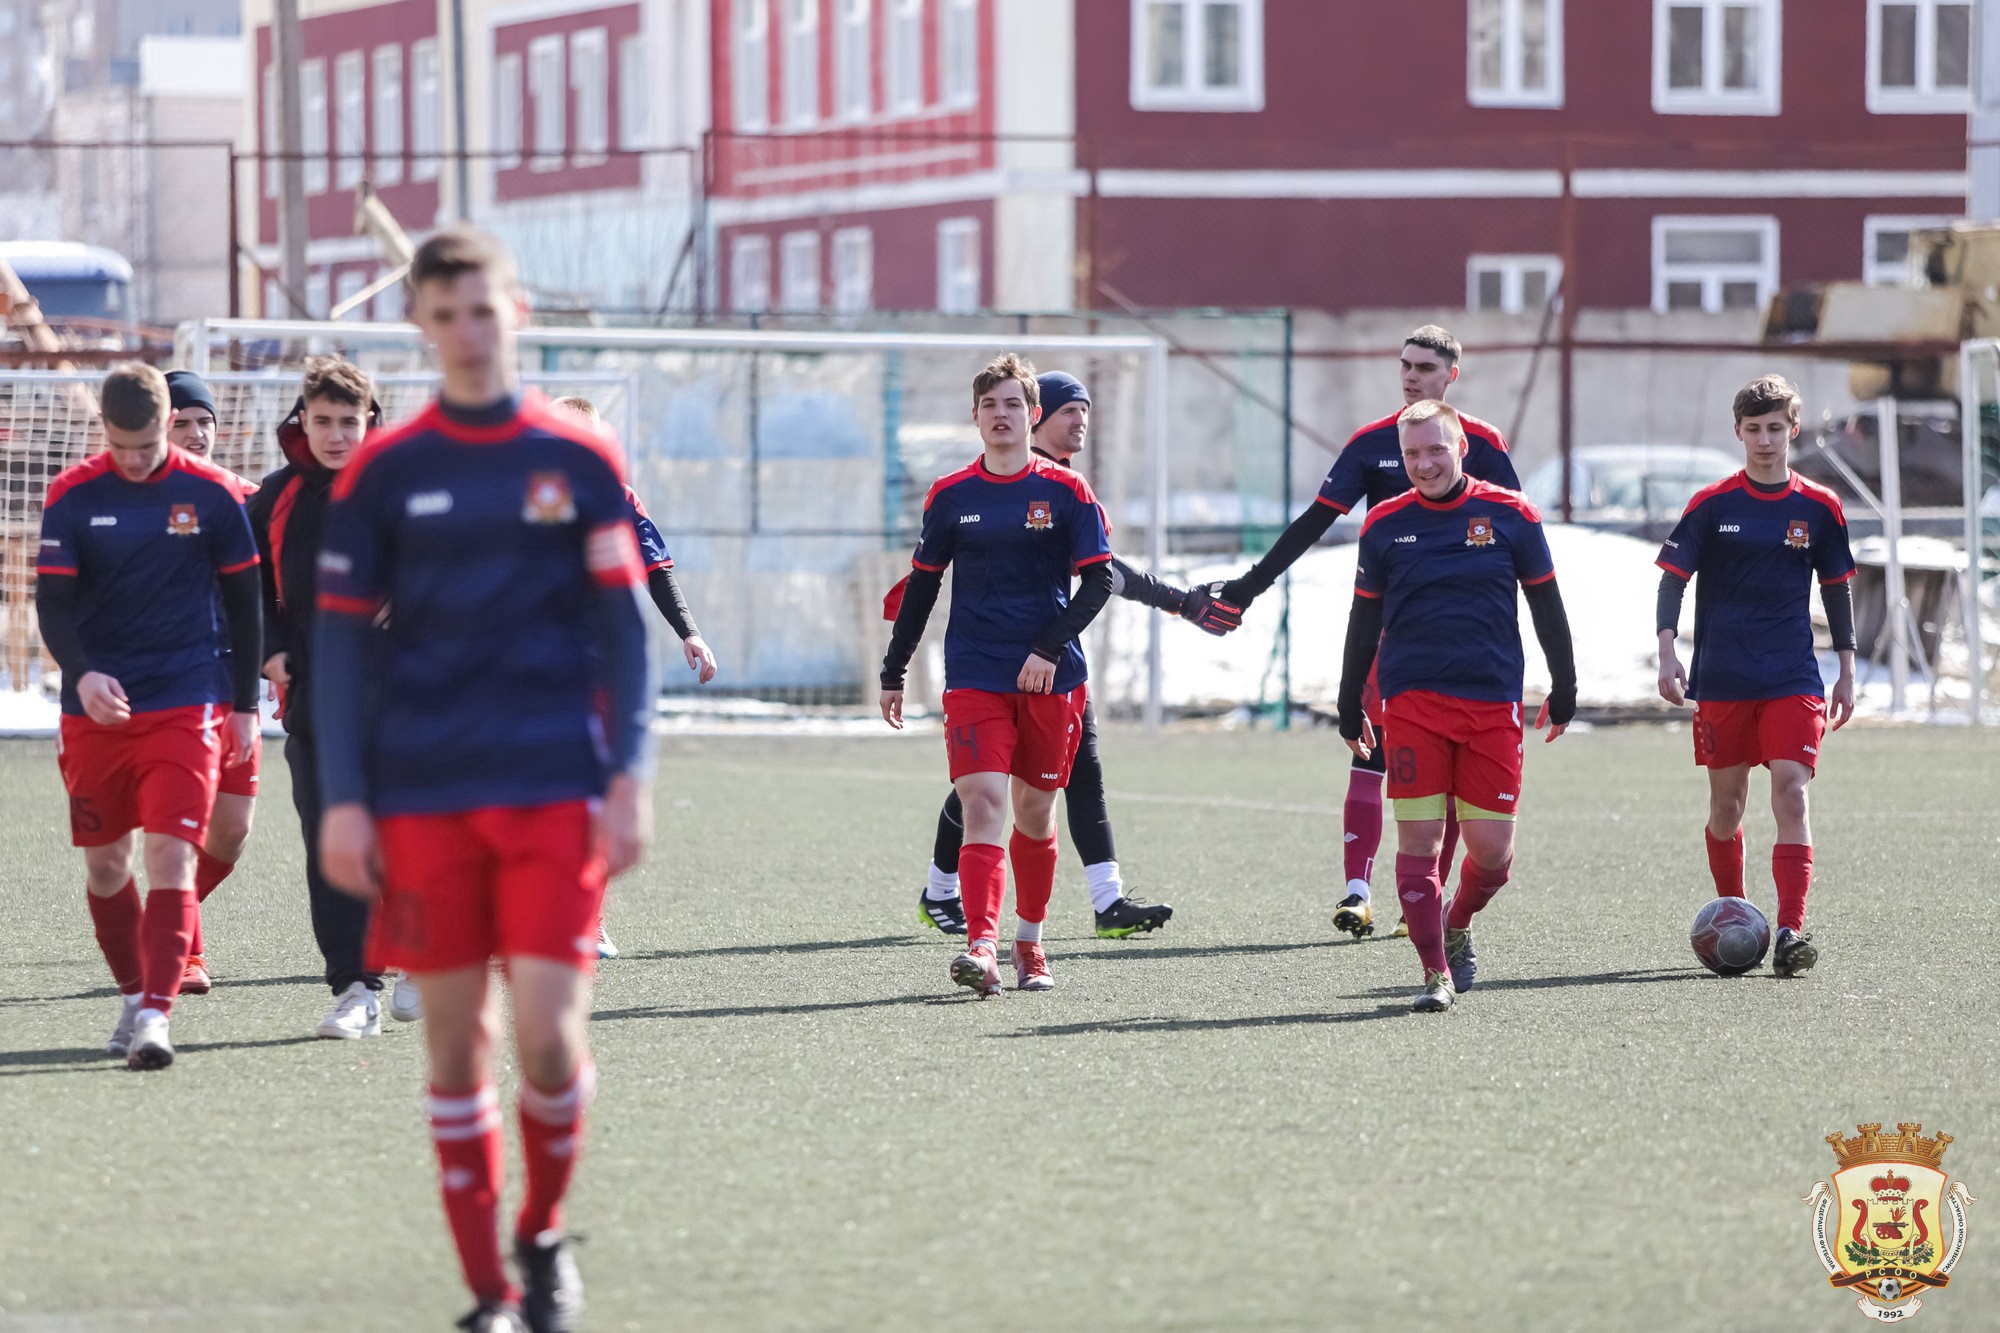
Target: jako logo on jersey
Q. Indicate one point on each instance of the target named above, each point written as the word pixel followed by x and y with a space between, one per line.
pixel 1039 516
pixel 428 504
pixel 1797 534
pixel 182 522
pixel 1479 532
pixel 968 518
pixel 548 499
pixel 1809 749
pixel 97 521
pixel 1729 527
pixel 333 562
pixel 1410 538
pixel 1390 463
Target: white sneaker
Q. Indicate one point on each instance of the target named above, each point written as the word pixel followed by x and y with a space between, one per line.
pixel 406 1002
pixel 121 1036
pixel 150 1047
pixel 356 1014
pixel 605 948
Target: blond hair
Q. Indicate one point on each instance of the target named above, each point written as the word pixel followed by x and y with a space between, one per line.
pixel 1416 414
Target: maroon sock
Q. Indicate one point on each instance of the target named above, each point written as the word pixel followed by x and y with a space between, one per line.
pixel 982 886
pixel 465 1129
pixel 1361 819
pixel 1725 863
pixel 1034 861
pixel 1417 885
pixel 1791 867
pixel 1476 887
pixel 168 928
pixel 118 922
pixel 209 872
pixel 1449 852
pixel 551 1137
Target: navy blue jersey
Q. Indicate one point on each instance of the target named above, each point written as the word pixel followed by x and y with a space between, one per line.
pixel 146 556
pixel 1757 553
pixel 652 546
pixel 1451 620
pixel 1014 543
pixel 485 544
pixel 1370 466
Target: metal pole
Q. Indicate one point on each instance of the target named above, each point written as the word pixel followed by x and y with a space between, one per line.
pixel 1975 648
pixel 1285 507
pixel 288 53
pixel 462 171
pixel 1566 359
pixel 1156 528
pixel 197 355
pixel 235 243
pixel 1895 595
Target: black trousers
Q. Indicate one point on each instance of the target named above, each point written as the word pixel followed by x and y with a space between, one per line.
pixel 339 921
pixel 1083 799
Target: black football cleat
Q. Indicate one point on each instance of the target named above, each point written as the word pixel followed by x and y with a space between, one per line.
pixel 946 914
pixel 1130 916
pixel 1793 954
pixel 1355 916
pixel 551 1288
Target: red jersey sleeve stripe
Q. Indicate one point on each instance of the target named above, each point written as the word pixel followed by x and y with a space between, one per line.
pixel 347 606
pixel 1530 583
pixel 928 569
pixel 659 564
pixel 1828 583
pixel 1094 560
pixel 55 569
pixel 239 566
pixel 1335 506
pixel 1675 570
pixel 1371 596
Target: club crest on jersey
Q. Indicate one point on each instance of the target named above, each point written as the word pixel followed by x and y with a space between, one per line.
pixel 549 499
pixel 182 521
pixel 1040 515
pixel 1888 1201
pixel 1798 534
pixel 1479 532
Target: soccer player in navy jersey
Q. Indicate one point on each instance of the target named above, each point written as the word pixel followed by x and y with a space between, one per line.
pixel 1757 540
pixel 1059 436
pixel 1016 527
pixel 484 757
pixel 1434 591
pixel 1369 468
pixel 138 545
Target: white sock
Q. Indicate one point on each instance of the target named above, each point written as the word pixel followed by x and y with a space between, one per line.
pixel 940 886
pixel 1359 886
pixel 1028 932
pixel 1106 887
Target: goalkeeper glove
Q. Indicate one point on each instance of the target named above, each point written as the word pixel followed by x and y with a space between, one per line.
pixel 1206 607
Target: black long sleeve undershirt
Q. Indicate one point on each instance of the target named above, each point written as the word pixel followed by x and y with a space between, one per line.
pixel 55 611
pixel 666 593
pixel 1303 534
pixel 1357 659
pixel 920 594
pixel 1545 605
pixel 1093 590
pixel 1138 586
pixel 243 604
pixel 1667 607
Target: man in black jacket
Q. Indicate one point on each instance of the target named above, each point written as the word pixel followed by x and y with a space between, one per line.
pixel 322 433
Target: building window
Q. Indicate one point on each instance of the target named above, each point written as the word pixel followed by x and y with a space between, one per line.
pixel 1716 57
pixel 750 274
pixel 319 293
pixel 752 66
pixel 1512 284
pixel 507 111
pixel 798 271
pixel 853 270
pixel 632 130
pixel 1919 56
pixel 906 56
pixel 1714 264
pixel 388 114
pixel 427 110
pixel 589 81
pixel 312 114
pixel 959 60
pixel 958 266
pixel 350 121
pixel 547 89
pixel 387 305
pixel 853 66
pixel 1516 53
pixel 270 145
pixel 801 50
pixel 1198 55
pixel 1885 253
pixel 348 286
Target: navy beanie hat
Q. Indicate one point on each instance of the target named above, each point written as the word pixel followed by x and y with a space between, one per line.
pixel 187 389
pixel 1059 391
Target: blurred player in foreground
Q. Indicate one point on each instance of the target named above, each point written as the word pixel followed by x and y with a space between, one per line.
pixel 1018 528
pixel 1435 592
pixel 1757 539
pixel 472 771
pixel 138 545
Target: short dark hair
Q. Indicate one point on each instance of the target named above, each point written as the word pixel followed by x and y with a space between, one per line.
pixel 134 396
pixel 460 249
pixel 1767 394
pixel 1438 339
pixel 1008 366
pixel 334 380
pixel 582 406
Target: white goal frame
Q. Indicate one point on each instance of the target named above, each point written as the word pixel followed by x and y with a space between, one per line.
pixel 195 340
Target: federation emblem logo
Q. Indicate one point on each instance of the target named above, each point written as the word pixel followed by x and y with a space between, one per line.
pixel 1888 1241
pixel 1479 532
pixel 182 521
pixel 549 499
pixel 1039 516
pixel 1798 534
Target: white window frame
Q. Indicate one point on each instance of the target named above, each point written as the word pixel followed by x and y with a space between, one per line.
pixel 799 275
pixel 387 112
pixel 312 122
pixel 1764 273
pixel 590 83
pixel 798 61
pixel 348 283
pixel 426 110
pixel 507 111
pixel 906 57
pixel 1873 271
pixel 853 270
pixel 958 53
pixel 960 284
pixel 1511 91
pixel 853 60
pixel 270 131
pixel 1513 270
pixel 319 293
pixel 1711 99
pixel 634 106
pixel 387 306
pixel 1926 98
pixel 750 65
pixel 548 95
pixel 350 120
pixel 750 274
pixel 1247 96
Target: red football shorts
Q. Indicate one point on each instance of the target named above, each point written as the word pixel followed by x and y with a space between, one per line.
pixel 1032 736
pixel 240 779
pixel 1467 748
pixel 1728 732
pixel 458 889
pixel 157 772
pixel 1371 697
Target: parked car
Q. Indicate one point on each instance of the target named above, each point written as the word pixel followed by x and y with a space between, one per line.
pixel 1637 488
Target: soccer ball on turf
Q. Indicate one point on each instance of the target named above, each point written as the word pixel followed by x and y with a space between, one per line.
pixel 1730 936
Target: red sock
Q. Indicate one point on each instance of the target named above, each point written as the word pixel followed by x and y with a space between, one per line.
pixel 1417 885
pixel 117 921
pixel 1034 861
pixel 982 885
pixel 465 1129
pixel 168 927
pixel 1791 867
pixel 209 872
pixel 1476 887
pixel 1449 852
pixel 551 1137
pixel 1361 820
pixel 1725 863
